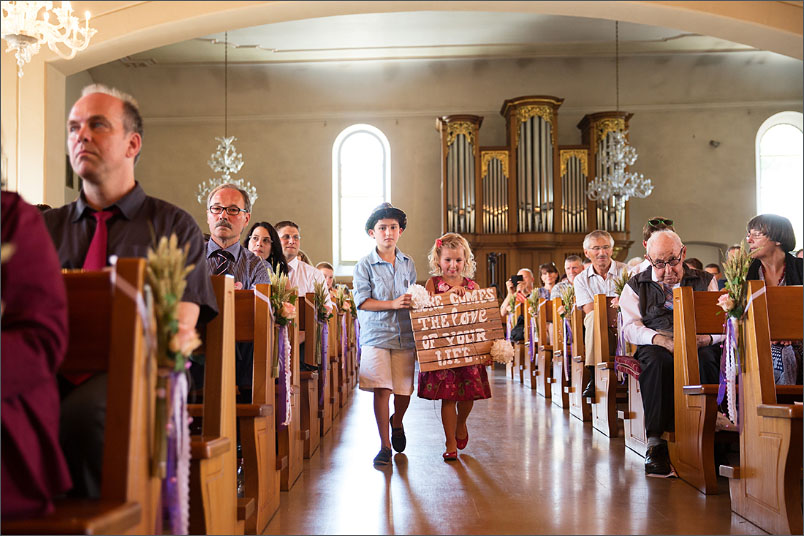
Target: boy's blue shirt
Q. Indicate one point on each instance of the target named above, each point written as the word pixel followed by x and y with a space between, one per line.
pixel 378 279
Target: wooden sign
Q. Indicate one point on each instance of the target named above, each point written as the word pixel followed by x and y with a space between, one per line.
pixel 455 331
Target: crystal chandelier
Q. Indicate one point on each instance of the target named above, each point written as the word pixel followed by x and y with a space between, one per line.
pixel 617 185
pixel 24 28
pixel 226 160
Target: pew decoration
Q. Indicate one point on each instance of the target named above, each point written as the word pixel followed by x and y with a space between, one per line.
pixel 502 351
pixel 321 343
pixel 166 274
pixel 567 306
pixel 283 303
pixel 343 301
pixel 734 303
pixel 356 330
pixel 419 297
pixel 532 306
pixel 619 286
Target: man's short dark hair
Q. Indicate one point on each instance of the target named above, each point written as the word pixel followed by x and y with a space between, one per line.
pixel 286 223
pixel 776 228
pixel 713 265
pixel 692 262
pixel 386 211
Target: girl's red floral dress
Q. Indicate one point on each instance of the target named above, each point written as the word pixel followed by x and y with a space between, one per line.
pixel 461 383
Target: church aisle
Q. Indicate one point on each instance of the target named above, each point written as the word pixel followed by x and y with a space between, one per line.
pixel 529 468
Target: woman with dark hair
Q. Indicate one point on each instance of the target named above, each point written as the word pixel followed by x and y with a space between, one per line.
pixel 548 273
pixel 771 238
pixel 260 241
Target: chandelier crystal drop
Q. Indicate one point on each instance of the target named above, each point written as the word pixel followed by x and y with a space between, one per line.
pixel 618 184
pixel 226 160
pixel 25 29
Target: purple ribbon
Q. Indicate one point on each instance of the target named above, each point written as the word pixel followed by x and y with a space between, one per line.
pixel 178 462
pixel 731 348
pixel 357 340
pixel 322 378
pixel 567 344
pixel 344 342
pixel 532 348
pixel 508 328
pixel 620 338
pixel 282 408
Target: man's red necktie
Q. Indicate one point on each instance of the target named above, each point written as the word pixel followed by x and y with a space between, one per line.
pixel 95 260
pixel 96 254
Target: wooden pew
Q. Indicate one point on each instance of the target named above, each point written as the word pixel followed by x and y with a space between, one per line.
pixel 766 487
pixel 580 407
pixel 254 323
pixel 544 374
pixel 607 391
pixel 311 426
pixel 559 383
pixel 323 403
pixel 343 358
pixel 213 467
pixel 106 334
pixel 334 366
pixel 289 440
pixel 692 449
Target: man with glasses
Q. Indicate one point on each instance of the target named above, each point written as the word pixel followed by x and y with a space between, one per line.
pixel 597 278
pixel 113 216
pixel 647 306
pixel 651 226
pixel 300 274
pixel 228 213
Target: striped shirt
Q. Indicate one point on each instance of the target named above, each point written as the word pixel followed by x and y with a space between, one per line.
pixel 248 269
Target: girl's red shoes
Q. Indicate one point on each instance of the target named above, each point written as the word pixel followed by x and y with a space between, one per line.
pixel 450 456
pixel 462 442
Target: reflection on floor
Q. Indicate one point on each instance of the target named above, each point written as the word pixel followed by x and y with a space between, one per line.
pixel 529 468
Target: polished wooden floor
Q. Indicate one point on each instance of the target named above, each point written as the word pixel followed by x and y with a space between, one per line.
pixel 529 468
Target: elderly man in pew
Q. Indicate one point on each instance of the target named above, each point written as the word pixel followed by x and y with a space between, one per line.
pixel 113 216
pixel 228 214
pixel 597 278
pixel 647 306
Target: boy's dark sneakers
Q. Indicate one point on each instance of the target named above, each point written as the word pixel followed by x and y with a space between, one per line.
pixel 383 457
pixel 398 439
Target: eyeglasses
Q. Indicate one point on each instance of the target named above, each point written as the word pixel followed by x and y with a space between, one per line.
pixel 231 211
pixel 287 237
pixel 600 248
pixel 661 265
pixel 655 222
pixel 755 235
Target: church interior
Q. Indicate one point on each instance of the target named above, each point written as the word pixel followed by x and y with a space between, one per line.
pixel 452 93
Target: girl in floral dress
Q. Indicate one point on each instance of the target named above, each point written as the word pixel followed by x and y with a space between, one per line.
pixel 452 266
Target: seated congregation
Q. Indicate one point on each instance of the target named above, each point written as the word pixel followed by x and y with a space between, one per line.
pixel 273 350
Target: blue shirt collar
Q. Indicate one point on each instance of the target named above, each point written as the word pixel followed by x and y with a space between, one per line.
pixel 375 258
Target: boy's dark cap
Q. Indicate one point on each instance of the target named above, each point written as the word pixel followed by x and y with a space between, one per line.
pixel 386 211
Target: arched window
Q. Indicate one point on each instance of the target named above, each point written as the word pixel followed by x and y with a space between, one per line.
pixel 780 175
pixel 361 179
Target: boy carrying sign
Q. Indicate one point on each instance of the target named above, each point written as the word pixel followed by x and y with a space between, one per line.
pixel 381 280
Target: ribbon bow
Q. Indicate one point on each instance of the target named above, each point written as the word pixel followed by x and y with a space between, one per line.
pixel 438 242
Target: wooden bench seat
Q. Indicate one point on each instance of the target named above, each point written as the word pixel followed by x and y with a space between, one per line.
pixel 289 442
pixel 608 392
pixel 322 404
pixel 213 465
pixel 560 381
pixel 766 487
pixel 544 368
pixel 106 334
pixel 580 407
pixel 311 422
pixel 254 323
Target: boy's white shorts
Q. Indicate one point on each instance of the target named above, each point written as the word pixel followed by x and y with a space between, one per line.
pixel 382 368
